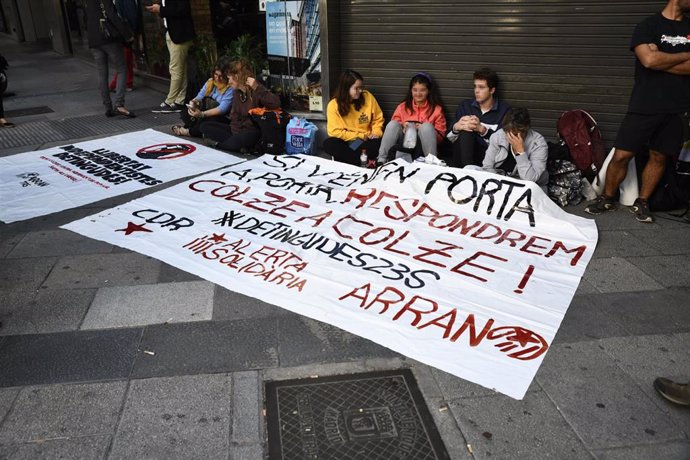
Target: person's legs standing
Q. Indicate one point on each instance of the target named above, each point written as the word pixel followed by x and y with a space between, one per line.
pixel 391 136
pixel 129 60
pixel 427 137
pixel 178 71
pixel 101 59
pixel 116 56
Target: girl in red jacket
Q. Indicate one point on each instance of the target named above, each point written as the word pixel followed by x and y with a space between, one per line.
pixel 422 109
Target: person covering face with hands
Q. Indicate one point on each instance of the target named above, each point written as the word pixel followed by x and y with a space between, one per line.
pixel 516 150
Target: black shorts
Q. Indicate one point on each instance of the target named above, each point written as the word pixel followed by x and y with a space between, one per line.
pixel 662 133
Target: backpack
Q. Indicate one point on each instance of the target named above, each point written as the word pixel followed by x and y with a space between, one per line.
pixel 565 182
pixel 673 190
pixel 581 134
pixel 272 124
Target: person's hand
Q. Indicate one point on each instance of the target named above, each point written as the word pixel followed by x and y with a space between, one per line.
pixel 516 141
pixel 252 83
pixel 372 136
pixel 464 124
pixel 155 8
pixel 194 112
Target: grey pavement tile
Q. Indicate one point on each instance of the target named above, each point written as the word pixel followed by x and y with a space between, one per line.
pixel 178 417
pixel 131 306
pixel 65 411
pixel 14 300
pixel 651 312
pixel 247 452
pixel 25 273
pixel 666 241
pixel 602 403
pixel 621 219
pixel 613 243
pixel 51 310
pixel 645 358
pixel 585 287
pixel 7 397
pixel 669 271
pixel 48 243
pixel 8 242
pixel 618 275
pixel 49 222
pixel 84 447
pixel 454 387
pixel 100 270
pixel 67 357
pixel 229 305
pixel 170 274
pixel 502 427
pixel 586 319
pixel 246 408
pixel 303 340
pixel 679 450
pixel 207 347
pixel 452 436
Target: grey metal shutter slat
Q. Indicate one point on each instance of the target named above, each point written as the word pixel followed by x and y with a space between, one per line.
pixel 551 55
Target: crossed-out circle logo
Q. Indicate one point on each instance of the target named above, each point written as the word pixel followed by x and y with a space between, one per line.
pixel 165 151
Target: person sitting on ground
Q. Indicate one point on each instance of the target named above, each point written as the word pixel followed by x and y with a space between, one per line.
pixel 248 93
pixel 476 120
pixel 354 121
pixel 211 104
pixel 516 150
pixel 422 109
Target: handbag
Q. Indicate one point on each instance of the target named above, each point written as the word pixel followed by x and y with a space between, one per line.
pixel 108 30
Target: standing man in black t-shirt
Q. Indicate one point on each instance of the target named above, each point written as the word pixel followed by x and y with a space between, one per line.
pixel 660 95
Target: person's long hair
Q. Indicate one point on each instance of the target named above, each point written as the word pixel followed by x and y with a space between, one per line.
pixel 434 98
pixel 342 92
pixel 240 71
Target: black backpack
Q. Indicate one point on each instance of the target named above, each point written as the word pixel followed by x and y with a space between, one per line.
pixel 673 191
pixel 272 124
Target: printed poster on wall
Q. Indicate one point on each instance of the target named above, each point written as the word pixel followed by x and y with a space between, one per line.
pixel 466 271
pixel 46 181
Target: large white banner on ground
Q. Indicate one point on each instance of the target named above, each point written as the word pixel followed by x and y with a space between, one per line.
pixel 46 181
pixel 466 271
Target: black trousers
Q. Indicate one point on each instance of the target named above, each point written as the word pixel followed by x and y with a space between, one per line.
pixel 468 150
pixel 227 140
pixel 194 124
pixel 341 151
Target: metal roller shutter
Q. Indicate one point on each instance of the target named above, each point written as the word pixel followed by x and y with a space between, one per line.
pixel 551 55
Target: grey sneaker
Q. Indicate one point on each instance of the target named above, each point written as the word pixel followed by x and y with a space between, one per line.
pixel 600 205
pixel 168 108
pixel 642 213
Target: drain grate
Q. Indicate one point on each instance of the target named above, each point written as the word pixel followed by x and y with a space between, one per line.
pixel 377 415
pixel 25 112
pixel 40 132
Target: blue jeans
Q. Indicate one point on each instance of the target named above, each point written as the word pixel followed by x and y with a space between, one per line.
pixel 111 53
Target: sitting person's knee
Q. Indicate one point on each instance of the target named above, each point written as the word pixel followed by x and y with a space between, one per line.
pixel 427 128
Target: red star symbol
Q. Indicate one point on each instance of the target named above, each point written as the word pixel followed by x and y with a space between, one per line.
pixel 523 337
pixel 218 238
pixel 132 227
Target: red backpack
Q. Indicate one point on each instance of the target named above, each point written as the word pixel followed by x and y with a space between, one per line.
pixel 581 134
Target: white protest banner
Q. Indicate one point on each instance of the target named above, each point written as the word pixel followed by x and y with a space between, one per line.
pixel 46 181
pixel 466 271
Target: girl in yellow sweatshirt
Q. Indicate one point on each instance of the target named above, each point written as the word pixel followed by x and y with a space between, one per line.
pixel 354 122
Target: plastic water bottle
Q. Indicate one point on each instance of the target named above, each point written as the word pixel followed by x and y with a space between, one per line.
pixel 363 158
pixel 410 139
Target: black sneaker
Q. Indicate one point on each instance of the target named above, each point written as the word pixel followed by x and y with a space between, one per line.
pixel 600 205
pixel 641 209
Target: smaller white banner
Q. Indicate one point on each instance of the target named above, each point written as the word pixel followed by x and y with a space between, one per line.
pixel 46 181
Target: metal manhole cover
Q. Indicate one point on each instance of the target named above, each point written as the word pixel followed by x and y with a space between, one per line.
pixel 377 415
pixel 28 111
